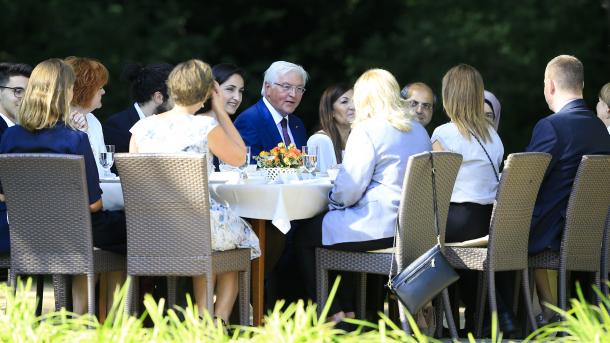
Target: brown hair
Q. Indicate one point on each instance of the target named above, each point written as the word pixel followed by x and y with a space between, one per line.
pixel 567 72
pixel 604 93
pixel 91 75
pixel 463 101
pixel 327 120
pixel 46 98
pixel 190 82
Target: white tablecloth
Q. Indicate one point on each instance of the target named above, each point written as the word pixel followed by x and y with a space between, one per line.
pixel 279 203
pixel 112 194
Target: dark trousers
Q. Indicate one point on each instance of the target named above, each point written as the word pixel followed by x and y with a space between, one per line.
pixel 307 239
pixel 109 231
pixel 466 221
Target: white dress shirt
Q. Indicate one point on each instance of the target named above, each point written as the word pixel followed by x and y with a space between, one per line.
pixel 139 110
pixel 326 150
pixel 277 118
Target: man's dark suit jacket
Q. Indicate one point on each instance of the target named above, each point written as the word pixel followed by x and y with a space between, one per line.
pixel 116 128
pixel 567 135
pixel 3 126
pixel 259 131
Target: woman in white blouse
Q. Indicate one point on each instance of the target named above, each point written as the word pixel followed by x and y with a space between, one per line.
pixel 336 116
pixel 472 135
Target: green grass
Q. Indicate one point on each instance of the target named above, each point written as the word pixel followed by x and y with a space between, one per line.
pixel 296 322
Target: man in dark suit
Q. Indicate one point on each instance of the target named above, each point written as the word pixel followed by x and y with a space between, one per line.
pixel 262 126
pixel 271 120
pixel 149 91
pixel 568 134
pixel 13 82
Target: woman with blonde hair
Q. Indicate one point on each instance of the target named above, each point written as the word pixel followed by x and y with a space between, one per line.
pixel 471 134
pixel 364 199
pixel 190 84
pixel 336 113
pixel 45 126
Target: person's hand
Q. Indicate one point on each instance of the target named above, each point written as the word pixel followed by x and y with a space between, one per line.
pixel 79 121
pixel 218 106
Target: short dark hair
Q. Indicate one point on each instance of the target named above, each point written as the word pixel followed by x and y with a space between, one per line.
pixel 7 70
pixel 146 80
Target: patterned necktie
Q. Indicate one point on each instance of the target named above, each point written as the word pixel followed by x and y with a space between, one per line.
pixel 284 123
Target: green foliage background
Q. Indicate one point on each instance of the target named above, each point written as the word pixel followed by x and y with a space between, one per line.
pixel 510 43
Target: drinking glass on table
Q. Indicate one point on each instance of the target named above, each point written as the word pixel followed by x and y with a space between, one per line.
pixel 243 167
pixel 106 158
pixel 310 158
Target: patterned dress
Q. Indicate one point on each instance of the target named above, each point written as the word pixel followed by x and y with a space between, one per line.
pixel 189 134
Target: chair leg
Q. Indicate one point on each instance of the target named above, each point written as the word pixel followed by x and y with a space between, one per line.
pixel 403 318
pixel 448 315
pixel 438 304
pixel 598 282
pixel 361 296
pixel 61 290
pixel 39 293
pixel 493 305
pixel 321 285
pixel 562 288
pixel 171 291
pixel 91 293
pixel 527 299
pixel 244 298
pixel 479 312
pixel 209 278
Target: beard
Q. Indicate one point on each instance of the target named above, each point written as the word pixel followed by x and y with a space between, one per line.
pixel 164 107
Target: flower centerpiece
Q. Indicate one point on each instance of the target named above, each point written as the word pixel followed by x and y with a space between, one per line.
pixel 281 159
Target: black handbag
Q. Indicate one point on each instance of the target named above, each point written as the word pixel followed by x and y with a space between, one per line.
pixel 428 275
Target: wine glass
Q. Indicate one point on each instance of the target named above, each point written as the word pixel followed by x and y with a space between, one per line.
pixel 310 158
pixel 107 159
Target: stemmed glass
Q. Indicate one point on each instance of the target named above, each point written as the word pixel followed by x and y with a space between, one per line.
pixel 310 158
pixel 107 159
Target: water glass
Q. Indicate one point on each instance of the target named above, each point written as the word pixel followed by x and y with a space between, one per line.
pixel 106 158
pixel 310 158
pixel 244 167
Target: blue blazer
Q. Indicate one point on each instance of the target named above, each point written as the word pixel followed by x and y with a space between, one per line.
pixel 116 128
pixel 3 126
pixel 258 130
pixel 567 135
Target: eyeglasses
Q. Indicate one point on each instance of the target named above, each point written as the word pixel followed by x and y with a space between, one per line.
pixel 288 88
pixel 18 92
pixel 414 104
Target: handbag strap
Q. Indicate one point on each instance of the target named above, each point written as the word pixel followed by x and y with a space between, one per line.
pixel 486 154
pixel 436 228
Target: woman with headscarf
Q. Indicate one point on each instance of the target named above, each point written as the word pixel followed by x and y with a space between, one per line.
pixel 492 109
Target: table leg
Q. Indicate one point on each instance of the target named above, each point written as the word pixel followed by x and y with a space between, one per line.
pixel 258 273
pixel 103 298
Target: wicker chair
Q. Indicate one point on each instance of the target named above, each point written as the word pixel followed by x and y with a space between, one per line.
pixel 605 260
pixel 584 225
pixel 508 231
pixel 416 229
pixel 50 221
pixel 168 225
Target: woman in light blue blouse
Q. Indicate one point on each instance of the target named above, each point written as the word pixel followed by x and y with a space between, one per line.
pixel 364 200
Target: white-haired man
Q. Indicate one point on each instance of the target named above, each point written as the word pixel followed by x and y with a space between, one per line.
pixel 271 120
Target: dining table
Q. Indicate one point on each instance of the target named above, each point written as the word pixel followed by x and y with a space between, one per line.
pixel 279 202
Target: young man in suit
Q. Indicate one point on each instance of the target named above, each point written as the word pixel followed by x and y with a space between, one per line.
pixel 568 134
pixel 13 82
pixel 150 94
pixel 271 120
